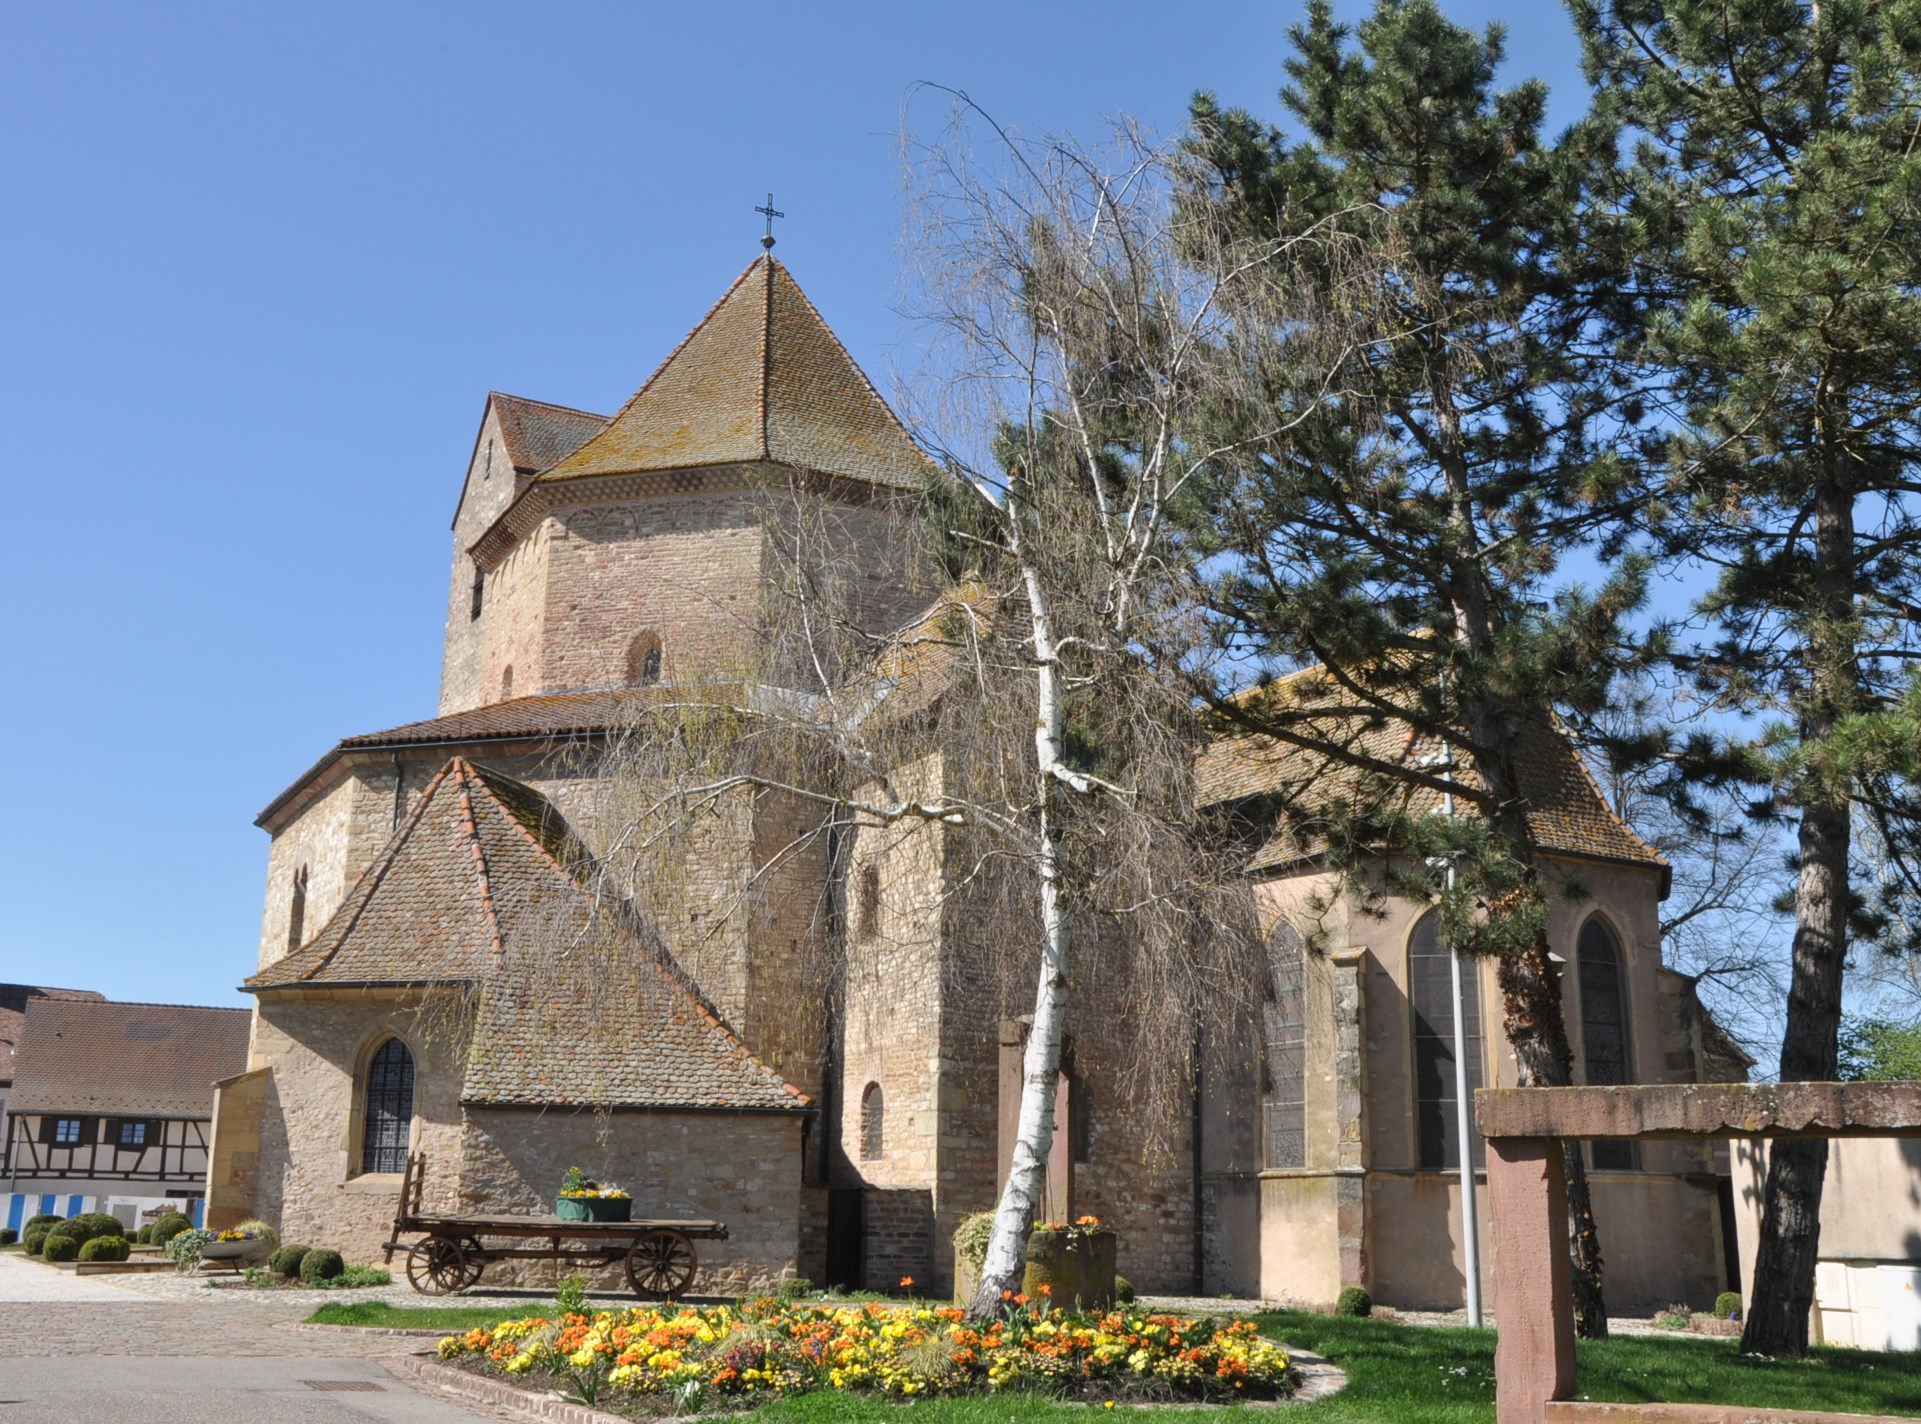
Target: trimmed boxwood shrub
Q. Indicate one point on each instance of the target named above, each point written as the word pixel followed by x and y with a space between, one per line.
pixel 321 1265
pixel 35 1238
pixel 59 1248
pixel 106 1248
pixel 285 1261
pixel 45 1218
pixel 168 1227
pixel 88 1225
pixel 1123 1290
pixel 1354 1301
pixel 8 1236
pixel 1727 1305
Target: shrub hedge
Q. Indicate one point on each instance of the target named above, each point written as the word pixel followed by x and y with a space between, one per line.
pixel 8 1236
pixel 59 1248
pixel 88 1225
pixel 106 1248
pixel 285 1261
pixel 168 1227
pixel 35 1238
pixel 1354 1301
pixel 321 1265
pixel 45 1218
pixel 1727 1305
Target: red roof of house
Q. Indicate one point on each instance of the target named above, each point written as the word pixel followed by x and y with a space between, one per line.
pixel 146 1060
pixel 14 999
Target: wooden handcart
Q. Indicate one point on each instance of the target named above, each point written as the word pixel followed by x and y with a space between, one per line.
pixel 453 1250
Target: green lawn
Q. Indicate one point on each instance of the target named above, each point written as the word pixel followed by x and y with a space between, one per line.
pixel 1397 1374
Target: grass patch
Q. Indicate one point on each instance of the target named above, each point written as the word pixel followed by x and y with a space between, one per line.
pixel 1414 1372
pixel 450 1318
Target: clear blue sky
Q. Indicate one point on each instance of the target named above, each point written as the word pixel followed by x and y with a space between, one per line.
pixel 259 266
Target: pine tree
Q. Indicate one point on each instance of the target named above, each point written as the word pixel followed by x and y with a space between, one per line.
pixel 1774 198
pixel 1405 524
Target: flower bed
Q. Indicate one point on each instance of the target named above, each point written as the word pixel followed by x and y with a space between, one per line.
pixel 675 1359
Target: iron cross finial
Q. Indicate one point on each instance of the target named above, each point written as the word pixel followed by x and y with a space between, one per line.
pixel 770 212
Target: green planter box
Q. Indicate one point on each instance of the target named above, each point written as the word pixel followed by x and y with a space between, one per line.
pixel 594 1208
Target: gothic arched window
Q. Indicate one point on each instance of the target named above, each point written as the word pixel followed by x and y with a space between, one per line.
pixel 506 682
pixel 389 1109
pixel 643 659
pixel 867 902
pixel 1430 992
pixel 873 1126
pixel 297 910
pixel 1284 1051
pixel 1604 1026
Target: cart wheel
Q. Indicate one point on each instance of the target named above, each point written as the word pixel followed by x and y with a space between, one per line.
pixel 660 1265
pixel 438 1266
pixel 476 1260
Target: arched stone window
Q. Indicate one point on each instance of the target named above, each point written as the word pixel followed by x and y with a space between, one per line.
pixel 478 599
pixel 387 1132
pixel 873 1125
pixel 506 682
pixel 1430 992
pixel 1604 1026
pixel 643 659
pixel 1284 1051
pixel 297 909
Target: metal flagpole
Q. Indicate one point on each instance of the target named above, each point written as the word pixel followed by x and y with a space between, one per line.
pixel 1464 1113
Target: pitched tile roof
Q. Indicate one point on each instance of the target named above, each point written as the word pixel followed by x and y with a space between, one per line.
pixel 13 1009
pixel 761 378
pixel 576 1006
pixel 1566 810
pixel 556 714
pixel 146 1060
pixel 539 434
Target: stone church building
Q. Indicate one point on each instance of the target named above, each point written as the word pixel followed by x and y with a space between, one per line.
pixel 436 974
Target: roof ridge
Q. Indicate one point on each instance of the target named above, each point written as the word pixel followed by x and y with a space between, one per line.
pixel 859 370
pixel 465 770
pixel 148 1004
pixel 550 405
pixel 376 872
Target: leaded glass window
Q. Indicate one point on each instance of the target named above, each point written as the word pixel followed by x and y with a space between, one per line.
pixel 390 1109
pixel 1284 1052
pixel 1430 981
pixel 1604 1027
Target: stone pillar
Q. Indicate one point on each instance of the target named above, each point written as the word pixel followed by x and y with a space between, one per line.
pixel 1533 1278
pixel 1346 968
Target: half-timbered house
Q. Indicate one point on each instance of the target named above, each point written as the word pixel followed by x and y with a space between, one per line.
pixel 112 1106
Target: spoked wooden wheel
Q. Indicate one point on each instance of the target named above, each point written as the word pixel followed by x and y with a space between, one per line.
pixel 660 1265
pixel 439 1266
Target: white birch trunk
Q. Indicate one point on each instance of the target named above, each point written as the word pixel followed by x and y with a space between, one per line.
pixel 1006 1259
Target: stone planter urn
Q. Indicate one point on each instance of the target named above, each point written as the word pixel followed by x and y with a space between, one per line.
pixel 231 1253
pixel 1077 1266
pixel 594 1208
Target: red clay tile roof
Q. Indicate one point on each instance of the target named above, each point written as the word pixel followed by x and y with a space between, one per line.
pixel 133 1060
pixel 539 434
pixel 575 1006
pixel 14 999
pixel 761 378
pixel 1566 810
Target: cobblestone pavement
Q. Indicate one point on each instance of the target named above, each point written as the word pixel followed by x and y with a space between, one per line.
pixel 48 1312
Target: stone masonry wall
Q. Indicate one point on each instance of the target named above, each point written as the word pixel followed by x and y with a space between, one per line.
pixel 335 838
pixel 317 1042
pixel 490 486
pixel 897 1227
pixel 513 626
pixel 743 1169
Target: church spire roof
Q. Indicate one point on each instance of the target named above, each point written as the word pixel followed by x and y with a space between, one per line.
pixel 761 378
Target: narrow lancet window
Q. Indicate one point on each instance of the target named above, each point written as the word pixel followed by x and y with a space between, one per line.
pixel 1604 1027
pixel 388 1132
pixel 873 1126
pixel 1431 993
pixel 643 659
pixel 297 909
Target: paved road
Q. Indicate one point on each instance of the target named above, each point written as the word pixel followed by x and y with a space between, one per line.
pixel 185 1360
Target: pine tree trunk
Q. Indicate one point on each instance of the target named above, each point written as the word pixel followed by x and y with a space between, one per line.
pixel 1532 1018
pixel 1783 1291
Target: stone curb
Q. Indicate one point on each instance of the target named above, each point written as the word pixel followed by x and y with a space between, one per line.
pixel 403 1332
pixel 445 1379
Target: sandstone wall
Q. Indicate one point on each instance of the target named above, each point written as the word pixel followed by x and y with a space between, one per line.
pixel 490 486
pixel 317 1042
pixel 743 1169
pixel 335 837
pixel 513 628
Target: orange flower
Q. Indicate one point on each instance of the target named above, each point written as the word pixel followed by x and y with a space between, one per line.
pixel 1089 1221
pixel 906 1282
pixel 1045 1289
pixel 1020 1298
pixel 1007 1295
